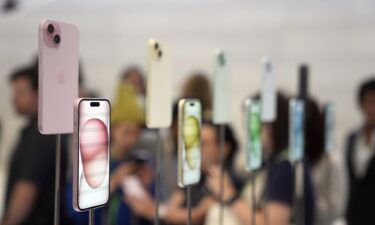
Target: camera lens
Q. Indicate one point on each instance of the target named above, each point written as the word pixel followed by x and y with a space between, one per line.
pixel 50 28
pixel 160 54
pixel 156 45
pixel 57 39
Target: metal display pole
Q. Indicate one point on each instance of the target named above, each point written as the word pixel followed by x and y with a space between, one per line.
pixel 221 190
pixel 188 196
pixel 158 177
pixel 253 198
pixel 57 180
pixel 91 216
pixel 298 203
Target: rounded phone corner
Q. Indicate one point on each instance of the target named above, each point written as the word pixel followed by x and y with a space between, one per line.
pixel 42 23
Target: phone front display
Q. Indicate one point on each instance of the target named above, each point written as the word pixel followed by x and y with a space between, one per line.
pixel 296 132
pixel 93 160
pixel 190 143
pixel 329 127
pixel 253 135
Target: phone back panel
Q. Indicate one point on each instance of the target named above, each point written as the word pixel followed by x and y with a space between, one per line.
pixel 268 91
pixel 58 78
pixel 222 89
pixel 159 86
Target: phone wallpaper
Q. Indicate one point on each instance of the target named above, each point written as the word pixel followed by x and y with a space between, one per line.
pixel 94 140
pixel 297 145
pixel 191 154
pixel 254 143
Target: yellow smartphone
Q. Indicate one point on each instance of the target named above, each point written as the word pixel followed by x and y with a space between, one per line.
pixel 189 141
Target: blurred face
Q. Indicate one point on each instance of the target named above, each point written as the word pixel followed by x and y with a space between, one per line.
pixel 210 147
pixel 135 79
pixel 124 136
pixel 368 108
pixel 24 97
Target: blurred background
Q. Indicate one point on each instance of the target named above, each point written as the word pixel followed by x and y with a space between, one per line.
pixel 336 38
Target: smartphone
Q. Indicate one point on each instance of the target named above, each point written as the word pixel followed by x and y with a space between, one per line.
pixel 329 127
pixel 253 127
pixel 296 129
pixel 159 86
pixel 189 141
pixel 268 93
pixel 132 186
pixel 58 76
pixel 222 89
pixel 91 153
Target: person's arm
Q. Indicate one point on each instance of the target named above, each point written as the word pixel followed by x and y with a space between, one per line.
pixel 21 203
pixel 180 215
pixel 174 214
pixel 119 174
pixel 275 212
pixel 36 171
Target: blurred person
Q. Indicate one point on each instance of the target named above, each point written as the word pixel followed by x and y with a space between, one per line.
pixel 127 118
pixel 360 148
pixel 174 211
pixel 198 86
pixel 31 178
pixel 134 75
pixel 326 174
pixel 274 191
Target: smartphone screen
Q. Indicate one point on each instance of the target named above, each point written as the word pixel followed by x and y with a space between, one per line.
pixel 222 89
pixel 253 135
pixel 329 127
pixel 189 142
pixel 93 153
pixel 296 129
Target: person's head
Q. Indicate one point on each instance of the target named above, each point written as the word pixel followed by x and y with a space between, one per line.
pixel 126 119
pixel 24 85
pixel 125 136
pixel 314 131
pixel 366 101
pixel 210 146
pixel 275 135
pixel 198 86
pixel 134 76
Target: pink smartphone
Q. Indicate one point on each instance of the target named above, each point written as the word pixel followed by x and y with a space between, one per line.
pixel 91 153
pixel 58 76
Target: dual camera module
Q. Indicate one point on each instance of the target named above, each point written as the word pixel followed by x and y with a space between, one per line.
pixel 157 48
pixel 51 30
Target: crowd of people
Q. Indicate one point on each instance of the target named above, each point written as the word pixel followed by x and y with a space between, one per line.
pixel 30 184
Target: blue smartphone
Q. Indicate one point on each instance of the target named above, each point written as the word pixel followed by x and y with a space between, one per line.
pixel 296 129
pixel 253 127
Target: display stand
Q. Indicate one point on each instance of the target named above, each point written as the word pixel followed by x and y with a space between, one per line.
pixel 298 201
pixel 222 170
pixel 57 180
pixel 91 216
pixel 158 176
pixel 253 197
pixel 188 197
